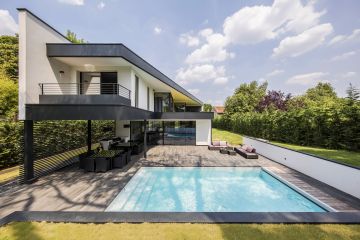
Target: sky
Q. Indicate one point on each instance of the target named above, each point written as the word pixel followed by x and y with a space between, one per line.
pixel 210 47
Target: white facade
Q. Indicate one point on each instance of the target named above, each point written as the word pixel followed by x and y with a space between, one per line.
pixel 39 73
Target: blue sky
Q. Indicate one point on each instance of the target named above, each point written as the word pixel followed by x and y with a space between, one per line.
pixel 212 46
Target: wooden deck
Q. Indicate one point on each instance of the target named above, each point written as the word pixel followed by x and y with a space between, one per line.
pixel 73 190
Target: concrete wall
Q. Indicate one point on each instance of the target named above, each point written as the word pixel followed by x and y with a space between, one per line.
pixel 203 132
pixel 34 66
pixel 336 175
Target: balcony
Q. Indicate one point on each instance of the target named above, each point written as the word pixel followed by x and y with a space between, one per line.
pixel 87 93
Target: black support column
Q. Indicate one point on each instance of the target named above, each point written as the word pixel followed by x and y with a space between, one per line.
pixel 89 135
pixel 28 151
pixel 145 138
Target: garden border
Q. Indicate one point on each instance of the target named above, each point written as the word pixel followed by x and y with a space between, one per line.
pixel 183 217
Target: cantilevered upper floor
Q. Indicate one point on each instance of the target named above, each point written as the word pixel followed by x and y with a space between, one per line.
pixel 53 72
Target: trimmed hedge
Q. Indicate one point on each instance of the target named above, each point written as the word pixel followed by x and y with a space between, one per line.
pixel 336 127
pixel 50 138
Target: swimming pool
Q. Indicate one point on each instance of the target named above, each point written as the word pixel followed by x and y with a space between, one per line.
pixel 208 189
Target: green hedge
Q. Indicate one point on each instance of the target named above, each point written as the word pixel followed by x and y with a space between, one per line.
pixel 336 127
pixel 50 138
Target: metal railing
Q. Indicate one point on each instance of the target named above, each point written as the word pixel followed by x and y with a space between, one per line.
pixel 84 89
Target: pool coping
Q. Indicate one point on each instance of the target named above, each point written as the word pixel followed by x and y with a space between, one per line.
pixel 183 217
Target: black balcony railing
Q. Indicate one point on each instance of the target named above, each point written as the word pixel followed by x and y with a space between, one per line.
pixel 84 89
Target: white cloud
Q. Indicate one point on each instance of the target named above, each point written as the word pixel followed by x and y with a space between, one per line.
pixel 189 40
pixel 157 30
pixel 212 51
pixel 343 56
pixel 308 78
pixel 275 73
pixel 101 5
pixel 8 25
pixel 297 45
pixel 73 2
pixel 255 24
pixel 349 74
pixel 202 73
pixel 355 35
pixel 194 91
pixel 221 80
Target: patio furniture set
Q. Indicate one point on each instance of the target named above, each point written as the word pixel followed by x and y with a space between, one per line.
pixel 112 153
pixel 244 150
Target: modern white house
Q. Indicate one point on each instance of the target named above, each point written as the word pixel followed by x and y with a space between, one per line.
pixel 59 80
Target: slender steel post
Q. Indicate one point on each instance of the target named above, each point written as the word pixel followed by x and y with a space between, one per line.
pixel 145 138
pixel 89 135
pixel 28 151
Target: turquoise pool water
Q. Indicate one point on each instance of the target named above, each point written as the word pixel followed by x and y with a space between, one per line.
pixel 208 189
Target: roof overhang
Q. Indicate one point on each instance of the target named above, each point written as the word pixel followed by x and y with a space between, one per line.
pixel 113 52
pixel 40 112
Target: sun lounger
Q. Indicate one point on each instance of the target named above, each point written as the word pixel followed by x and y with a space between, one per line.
pixel 217 145
pixel 247 152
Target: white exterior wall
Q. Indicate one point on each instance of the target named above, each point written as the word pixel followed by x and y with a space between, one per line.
pixel 142 92
pixel 120 130
pixel 34 66
pixel 336 175
pixel 203 132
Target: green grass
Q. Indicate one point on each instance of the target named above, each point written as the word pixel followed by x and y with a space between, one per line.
pixel 232 138
pixel 149 231
pixel 342 156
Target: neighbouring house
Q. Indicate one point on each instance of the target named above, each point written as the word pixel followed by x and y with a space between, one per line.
pixel 59 80
pixel 218 110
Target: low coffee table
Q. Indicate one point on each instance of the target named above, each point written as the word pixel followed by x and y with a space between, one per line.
pixel 228 150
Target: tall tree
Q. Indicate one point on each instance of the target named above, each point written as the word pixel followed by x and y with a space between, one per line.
pixel 353 94
pixel 73 38
pixel 8 95
pixel 245 98
pixel 276 100
pixel 9 55
pixel 207 107
pixel 321 91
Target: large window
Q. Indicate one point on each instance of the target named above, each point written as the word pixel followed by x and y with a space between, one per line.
pixel 163 102
pixel 172 133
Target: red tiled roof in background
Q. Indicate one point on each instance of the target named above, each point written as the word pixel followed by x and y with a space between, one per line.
pixel 219 109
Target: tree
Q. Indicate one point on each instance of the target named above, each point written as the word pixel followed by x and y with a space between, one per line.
pixel 73 38
pixel 207 107
pixel 9 55
pixel 353 94
pixel 321 91
pixel 274 100
pixel 8 95
pixel 246 98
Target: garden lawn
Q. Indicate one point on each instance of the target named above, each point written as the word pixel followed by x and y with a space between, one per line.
pixel 68 231
pixel 223 135
pixel 342 156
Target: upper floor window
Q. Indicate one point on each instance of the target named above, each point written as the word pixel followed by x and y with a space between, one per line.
pixel 148 98
pixel 163 102
pixel 136 91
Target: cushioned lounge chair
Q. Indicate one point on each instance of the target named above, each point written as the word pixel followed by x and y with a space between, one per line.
pixel 247 152
pixel 217 145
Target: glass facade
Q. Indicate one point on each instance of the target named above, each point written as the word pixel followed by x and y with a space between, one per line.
pixel 171 133
pixel 163 102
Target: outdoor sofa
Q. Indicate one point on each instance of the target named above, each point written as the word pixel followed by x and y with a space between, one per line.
pixel 217 145
pixel 247 152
